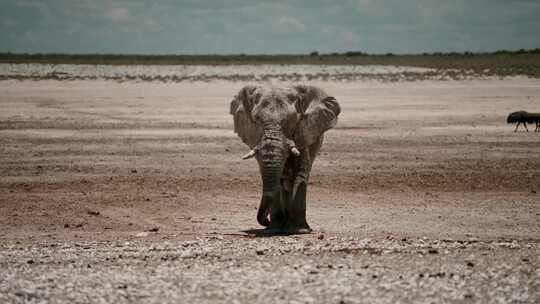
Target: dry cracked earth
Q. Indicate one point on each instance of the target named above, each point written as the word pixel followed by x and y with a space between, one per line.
pixel 135 192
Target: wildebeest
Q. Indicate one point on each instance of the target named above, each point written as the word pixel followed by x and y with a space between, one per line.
pixel 523 117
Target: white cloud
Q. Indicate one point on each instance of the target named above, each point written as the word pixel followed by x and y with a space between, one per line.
pixel 9 22
pixel 291 24
pixel 365 2
pixel 329 29
pixel 28 3
pixel 118 14
pixel 351 40
pixel 151 25
pixel 368 6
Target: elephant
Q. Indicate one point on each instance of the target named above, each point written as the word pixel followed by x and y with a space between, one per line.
pixel 284 128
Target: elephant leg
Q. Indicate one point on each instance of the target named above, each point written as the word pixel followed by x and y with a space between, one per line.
pixel 296 221
pixel 296 208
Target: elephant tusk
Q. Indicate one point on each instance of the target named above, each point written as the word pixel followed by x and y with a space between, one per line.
pixel 295 151
pixel 250 154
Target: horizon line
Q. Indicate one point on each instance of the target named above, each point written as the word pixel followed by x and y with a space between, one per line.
pixel 313 53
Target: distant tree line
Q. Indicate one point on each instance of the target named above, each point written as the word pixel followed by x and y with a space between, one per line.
pixel 171 58
pixel 503 62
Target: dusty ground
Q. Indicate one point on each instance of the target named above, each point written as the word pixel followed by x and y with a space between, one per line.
pixel 123 192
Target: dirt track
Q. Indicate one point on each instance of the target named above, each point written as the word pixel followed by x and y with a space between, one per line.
pixel 95 164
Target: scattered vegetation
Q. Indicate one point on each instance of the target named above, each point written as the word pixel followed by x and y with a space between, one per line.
pixel 500 63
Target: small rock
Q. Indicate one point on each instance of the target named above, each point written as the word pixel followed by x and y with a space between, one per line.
pixel 189 254
pixel 320 237
pixel 91 212
pixel 259 252
pixel 66 225
pixel 30 262
pixel 433 251
pixel 28 295
pixel 133 170
pixel 470 264
pixel 155 229
pixel 437 275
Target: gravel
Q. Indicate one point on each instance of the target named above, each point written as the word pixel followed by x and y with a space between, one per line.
pixel 284 269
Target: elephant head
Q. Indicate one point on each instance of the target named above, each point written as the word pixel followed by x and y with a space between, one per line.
pixel 284 128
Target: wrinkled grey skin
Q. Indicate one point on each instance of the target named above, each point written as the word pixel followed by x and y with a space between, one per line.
pixel 275 123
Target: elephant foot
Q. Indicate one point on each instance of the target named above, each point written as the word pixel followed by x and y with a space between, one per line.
pixel 287 230
pixel 297 230
pixel 272 231
pixel 277 220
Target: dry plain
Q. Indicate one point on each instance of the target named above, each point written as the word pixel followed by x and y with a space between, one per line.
pixel 134 191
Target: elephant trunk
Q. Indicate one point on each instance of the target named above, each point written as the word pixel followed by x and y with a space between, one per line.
pixel 272 152
pixel 271 176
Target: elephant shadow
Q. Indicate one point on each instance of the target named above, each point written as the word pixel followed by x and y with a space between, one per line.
pixel 265 232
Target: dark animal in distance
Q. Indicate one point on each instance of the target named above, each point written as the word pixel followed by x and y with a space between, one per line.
pixel 523 117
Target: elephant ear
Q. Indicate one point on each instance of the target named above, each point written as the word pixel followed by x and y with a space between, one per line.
pixel 241 107
pixel 318 112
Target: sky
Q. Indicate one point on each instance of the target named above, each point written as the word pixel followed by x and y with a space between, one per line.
pixel 267 27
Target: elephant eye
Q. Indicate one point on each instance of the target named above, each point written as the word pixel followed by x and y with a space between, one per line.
pixel 256 98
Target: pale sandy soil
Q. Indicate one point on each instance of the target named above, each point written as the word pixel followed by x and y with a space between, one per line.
pixel 431 162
